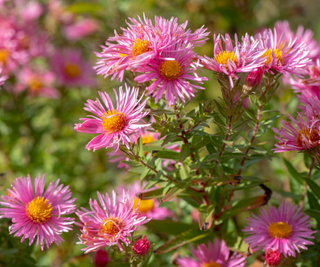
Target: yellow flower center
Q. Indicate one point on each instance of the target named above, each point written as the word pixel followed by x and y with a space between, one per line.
pixel 144 206
pixel 211 264
pixel 39 210
pixel 113 121
pixel 147 138
pixel 268 55
pixel 170 69
pixel 71 70
pixel 311 135
pixel 140 46
pixel 35 83
pixel 111 227
pixel 224 56
pixel 280 230
pixel 4 53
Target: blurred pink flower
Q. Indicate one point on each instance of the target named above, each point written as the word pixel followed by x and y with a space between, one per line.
pixel 2 78
pixel 71 69
pixel 105 226
pixel 171 73
pixel 80 29
pixel 281 55
pixel 234 57
pixel 212 255
pixel 285 229
pixel 38 214
pixel 305 37
pixel 101 258
pixel 114 125
pixel 30 10
pixel 36 83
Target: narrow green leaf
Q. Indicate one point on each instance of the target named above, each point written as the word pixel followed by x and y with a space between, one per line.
pixel 293 172
pixel 221 109
pixel 168 227
pixel 313 202
pixel 167 154
pixel 314 187
pixel 144 173
pixel 205 217
pixel 184 153
pixel 313 213
pixel 186 237
pixel 180 187
pixel 155 193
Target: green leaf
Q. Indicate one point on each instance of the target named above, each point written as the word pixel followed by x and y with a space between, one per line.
pixel 293 172
pixel 184 153
pixel 205 217
pixel 221 109
pixel 155 193
pixel 85 8
pixel 180 187
pixel 186 237
pixel 313 202
pixel 168 227
pixel 167 154
pixel 313 213
pixel 314 187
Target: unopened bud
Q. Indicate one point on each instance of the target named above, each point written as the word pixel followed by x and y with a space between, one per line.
pixel 254 78
pixel 273 257
pixel 101 258
pixel 141 246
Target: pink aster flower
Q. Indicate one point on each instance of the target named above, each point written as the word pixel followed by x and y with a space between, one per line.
pixel 302 36
pixel 285 229
pixel 150 207
pixel 234 57
pixel 2 78
pixel 300 134
pixel 36 213
pixel 71 69
pixel 171 73
pixel 114 125
pixel 214 254
pixel 36 83
pixel 80 29
pixel 280 55
pixel 105 226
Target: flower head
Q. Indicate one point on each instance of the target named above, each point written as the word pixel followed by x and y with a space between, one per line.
pixel 113 125
pixel 36 82
pixel 106 226
pixel 273 257
pixel 80 29
pixel 141 246
pixel 213 255
pixel 285 229
pixel 36 213
pixel 71 69
pixel 280 55
pixel 233 57
pixel 171 72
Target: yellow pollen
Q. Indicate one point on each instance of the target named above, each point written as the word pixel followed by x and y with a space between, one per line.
pixel 170 69
pixel 71 70
pixel 147 138
pixel 111 227
pixel 113 121
pixel 268 55
pixel 39 210
pixel 4 53
pixel 211 264
pixel 140 46
pixel 144 206
pixel 224 56
pixel 311 135
pixel 280 230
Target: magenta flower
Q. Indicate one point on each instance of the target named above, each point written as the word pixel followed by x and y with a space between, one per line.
pixel 105 226
pixel 273 257
pixel 280 55
pixel 212 255
pixel 233 57
pixel 38 214
pixel 150 207
pixel 301 36
pixel 101 258
pixel 2 78
pixel 171 73
pixel 141 246
pixel 114 125
pixel 285 229
pixel 36 83
pixel 80 29
pixel 71 69
pixel 300 134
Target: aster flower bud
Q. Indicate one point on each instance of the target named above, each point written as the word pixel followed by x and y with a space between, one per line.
pixel 101 258
pixel 273 257
pixel 254 77
pixel 141 246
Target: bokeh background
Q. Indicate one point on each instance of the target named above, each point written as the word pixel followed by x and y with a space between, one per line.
pixel 37 136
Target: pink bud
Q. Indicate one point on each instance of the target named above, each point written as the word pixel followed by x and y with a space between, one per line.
pixel 273 257
pixel 101 258
pixel 141 246
pixel 254 77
